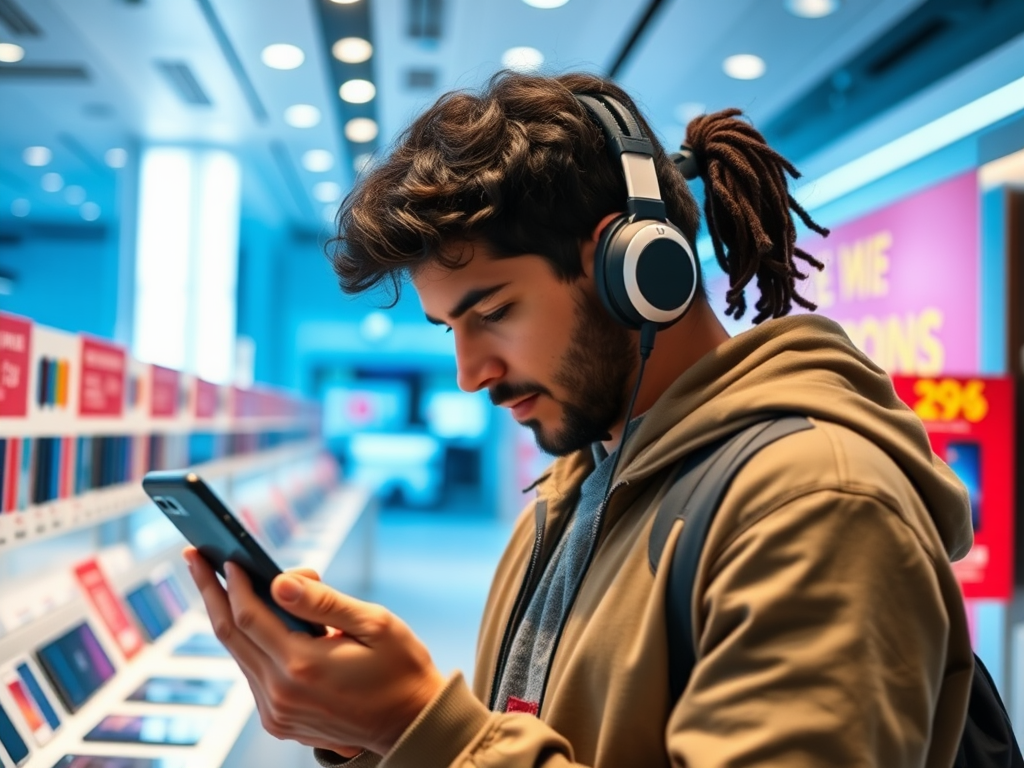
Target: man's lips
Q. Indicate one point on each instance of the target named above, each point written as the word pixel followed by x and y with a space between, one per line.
pixel 520 407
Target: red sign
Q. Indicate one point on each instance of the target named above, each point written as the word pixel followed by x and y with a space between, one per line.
pixel 165 392
pixel 15 341
pixel 970 424
pixel 103 599
pixel 206 399
pixel 103 375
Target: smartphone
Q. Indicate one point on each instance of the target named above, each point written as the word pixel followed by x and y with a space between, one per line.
pixel 179 730
pixel 195 510
pixel 198 692
pixel 109 761
pixel 964 458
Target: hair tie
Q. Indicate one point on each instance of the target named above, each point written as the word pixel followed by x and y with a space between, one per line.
pixel 687 162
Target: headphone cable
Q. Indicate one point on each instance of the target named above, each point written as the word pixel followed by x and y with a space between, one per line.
pixel 647 333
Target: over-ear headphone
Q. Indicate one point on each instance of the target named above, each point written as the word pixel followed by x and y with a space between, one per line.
pixel 645 268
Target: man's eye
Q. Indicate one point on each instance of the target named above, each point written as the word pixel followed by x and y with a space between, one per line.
pixel 497 315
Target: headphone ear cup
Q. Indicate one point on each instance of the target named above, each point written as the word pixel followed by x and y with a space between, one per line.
pixel 608 274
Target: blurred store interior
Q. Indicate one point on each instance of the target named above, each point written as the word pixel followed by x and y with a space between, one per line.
pixel 170 172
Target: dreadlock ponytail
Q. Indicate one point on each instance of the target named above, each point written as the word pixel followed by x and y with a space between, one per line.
pixel 747 207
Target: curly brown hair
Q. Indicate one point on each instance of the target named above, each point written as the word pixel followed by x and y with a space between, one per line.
pixel 522 167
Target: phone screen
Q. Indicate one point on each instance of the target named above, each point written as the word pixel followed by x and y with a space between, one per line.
pixel 150 611
pixel 181 730
pixel 201 692
pixel 76 665
pixel 202 644
pixel 964 459
pixel 30 712
pixel 28 677
pixel 11 740
pixel 106 761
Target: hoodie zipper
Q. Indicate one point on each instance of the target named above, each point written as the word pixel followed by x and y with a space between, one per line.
pixel 527 587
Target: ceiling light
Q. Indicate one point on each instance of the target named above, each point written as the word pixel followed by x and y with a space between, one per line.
pixel 362 161
pixel 360 129
pixel 522 59
pixel 352 50
pixel 11 53
pixel 546 4
pixel 37 156
pixel 318 160
pixel 344 2
pixel 75 195
pixel 302 115
pixel 89 211
pixel 20 207
pixel 116 157
pixel 812 9
pixel 52 182
pixel 283 56
pixel 357 91
pixel 744 66
pixel 326 191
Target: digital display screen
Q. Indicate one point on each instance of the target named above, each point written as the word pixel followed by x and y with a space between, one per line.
pixel 200 692
pixel 965 460
pixel 202 644
pixel 172 597
pixel 30 713
pixel 105 761
pixel 76 665
pixel 42 701
pixel 12 742
pixel 150 611
pixel 182 730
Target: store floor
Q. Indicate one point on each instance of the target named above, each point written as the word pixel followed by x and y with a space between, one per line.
pixel 433 569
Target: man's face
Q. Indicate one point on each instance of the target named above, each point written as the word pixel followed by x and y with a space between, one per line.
pixel 540 346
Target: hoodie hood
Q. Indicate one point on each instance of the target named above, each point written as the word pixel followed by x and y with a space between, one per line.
pixel 803 364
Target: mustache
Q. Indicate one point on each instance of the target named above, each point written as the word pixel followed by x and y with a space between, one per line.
pixel 504 391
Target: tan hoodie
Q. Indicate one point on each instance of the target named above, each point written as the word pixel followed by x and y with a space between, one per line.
pixel 830 627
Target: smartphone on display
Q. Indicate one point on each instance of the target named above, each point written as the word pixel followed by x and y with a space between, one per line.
pixel 178 730
pixel 109 761
pixel 202 644
pixel 195 510
pixel 964 459
pixel 11 739
pixel 76 665
pixel 31 714
pixel 199 692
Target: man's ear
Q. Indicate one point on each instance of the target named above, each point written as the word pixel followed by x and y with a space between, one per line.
pixel 588 247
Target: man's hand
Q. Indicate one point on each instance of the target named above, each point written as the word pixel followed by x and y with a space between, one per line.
pixel 360 686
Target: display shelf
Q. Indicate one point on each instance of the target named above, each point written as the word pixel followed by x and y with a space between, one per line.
pixel 39 521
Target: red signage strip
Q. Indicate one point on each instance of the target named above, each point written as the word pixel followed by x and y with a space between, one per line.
pixel 15 343
pixel 165 390
pixel 103 377
pixel 109 608
pixel 970 424
pixel 206 399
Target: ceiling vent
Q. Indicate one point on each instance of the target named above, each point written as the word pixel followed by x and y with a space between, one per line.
pixel 425 19
pixel 421 79
pixel 42 72
pixel 17 21
pixel 179 76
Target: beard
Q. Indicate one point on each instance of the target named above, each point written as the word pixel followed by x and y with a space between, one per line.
pixel 595 374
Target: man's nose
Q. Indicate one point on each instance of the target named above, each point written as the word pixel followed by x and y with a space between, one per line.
pixel 477 365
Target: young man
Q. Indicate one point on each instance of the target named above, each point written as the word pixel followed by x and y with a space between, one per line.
pixel 829 625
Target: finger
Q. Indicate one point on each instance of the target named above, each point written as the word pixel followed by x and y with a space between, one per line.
pixel 314 601
pixel 308 573
pixel 218 607
pixel 254 617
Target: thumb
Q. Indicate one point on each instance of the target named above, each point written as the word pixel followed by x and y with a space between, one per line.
pixel 310 599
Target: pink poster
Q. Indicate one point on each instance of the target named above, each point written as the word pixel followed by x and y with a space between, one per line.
pixel 103 379
pixel 165 392
pixel 903 280
pixel 15 343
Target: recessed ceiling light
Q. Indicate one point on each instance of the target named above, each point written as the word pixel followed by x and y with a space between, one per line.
pixel 361 161
pixel 52 182
pixel 11 53
pixel 283 56
pixel 812 9
pixel 546 4
pixel 302 116
pixel 317 160
pixel 326 191
pixel 360 129
pixel 744 66
pixel 357 91
pixel 89 211
pixel 522 59
pixel 116 157
pixel 75 195
pixel 20 207
pixel 688 110
pixel 352 50
pixel 345 2
pixel 37 156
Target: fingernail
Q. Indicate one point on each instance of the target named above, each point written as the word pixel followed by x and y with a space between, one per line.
pixel 289 589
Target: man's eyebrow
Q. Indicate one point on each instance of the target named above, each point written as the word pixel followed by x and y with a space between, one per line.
pixel 467 302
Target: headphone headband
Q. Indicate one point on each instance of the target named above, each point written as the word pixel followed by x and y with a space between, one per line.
pixel 624 137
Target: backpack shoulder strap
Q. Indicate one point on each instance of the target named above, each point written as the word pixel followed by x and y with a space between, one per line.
pixel 694 496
